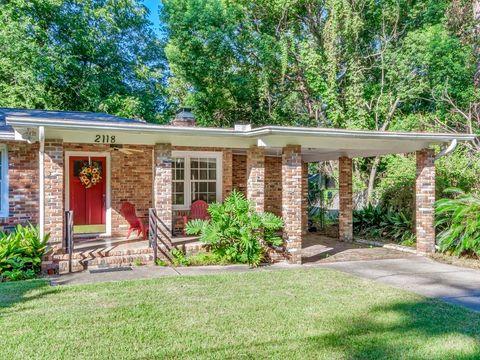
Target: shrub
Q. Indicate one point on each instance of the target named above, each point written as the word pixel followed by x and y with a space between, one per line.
pixel 179 258
pixel 236 232
pixel 378 222
pixel 207 258
pixel 459 223
pixel 21 253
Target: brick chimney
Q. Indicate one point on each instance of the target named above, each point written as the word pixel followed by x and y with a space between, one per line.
pixel 184 117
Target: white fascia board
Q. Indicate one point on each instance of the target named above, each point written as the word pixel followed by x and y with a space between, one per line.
pixel 292 134
pixel 7 135
pixel 364 134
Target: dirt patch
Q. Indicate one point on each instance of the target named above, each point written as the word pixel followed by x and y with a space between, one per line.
pixel 457 261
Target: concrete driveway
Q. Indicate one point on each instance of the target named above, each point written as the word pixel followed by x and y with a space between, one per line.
pixel 422 275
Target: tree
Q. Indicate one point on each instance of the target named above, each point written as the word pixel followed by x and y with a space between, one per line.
pixel 378 65
pixel 98 55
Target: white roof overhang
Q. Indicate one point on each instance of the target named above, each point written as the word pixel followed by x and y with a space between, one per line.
pixel 318 144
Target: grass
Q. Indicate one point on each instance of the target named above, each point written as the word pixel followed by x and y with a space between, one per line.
pixel 293 314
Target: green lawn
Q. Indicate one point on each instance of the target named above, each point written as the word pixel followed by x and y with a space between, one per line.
pixel 293 314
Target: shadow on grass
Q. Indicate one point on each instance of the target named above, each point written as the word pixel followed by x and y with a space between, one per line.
pixel 15 292
pixel 428 329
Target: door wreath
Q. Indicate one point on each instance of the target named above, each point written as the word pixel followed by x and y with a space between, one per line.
pixel 90 174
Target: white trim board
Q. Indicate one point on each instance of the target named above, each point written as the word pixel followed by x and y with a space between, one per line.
pixel 4 189
pixel 108 190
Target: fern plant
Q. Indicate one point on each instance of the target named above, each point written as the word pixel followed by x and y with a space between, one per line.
pixel 236 232
pixel 458 221
pixel 21 252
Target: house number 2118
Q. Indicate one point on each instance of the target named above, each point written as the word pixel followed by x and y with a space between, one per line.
pixel 105 139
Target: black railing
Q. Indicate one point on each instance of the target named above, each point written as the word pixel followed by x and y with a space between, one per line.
pixel 159 234
pixel 69 237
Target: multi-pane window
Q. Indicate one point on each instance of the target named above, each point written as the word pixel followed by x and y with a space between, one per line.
pixel 203 172
pixel 3 181
pixel 196 176
pixel 178 181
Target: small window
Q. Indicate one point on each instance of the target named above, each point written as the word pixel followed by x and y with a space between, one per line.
pixel 3 181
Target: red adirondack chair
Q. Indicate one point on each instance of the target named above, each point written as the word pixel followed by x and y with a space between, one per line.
pixel 198 210
pixel 128 212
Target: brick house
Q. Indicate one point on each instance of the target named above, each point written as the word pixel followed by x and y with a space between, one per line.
pixel 168 167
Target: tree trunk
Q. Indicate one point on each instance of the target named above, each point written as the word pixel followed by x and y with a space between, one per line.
pixel 371 179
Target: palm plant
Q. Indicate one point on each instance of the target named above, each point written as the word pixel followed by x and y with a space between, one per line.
pixel 458 220
pixel 236 231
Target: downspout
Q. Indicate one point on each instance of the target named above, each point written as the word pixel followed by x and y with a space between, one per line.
pixel 41 174
pixel 450 148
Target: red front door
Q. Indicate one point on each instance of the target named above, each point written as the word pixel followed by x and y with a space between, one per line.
pixel 87 203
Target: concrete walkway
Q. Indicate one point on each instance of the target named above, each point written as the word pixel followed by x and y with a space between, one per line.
pixel 421 275
pixel 151 272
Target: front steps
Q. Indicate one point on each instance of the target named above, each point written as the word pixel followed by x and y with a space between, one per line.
pixel 102 258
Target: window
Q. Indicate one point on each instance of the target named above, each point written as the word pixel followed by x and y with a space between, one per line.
pixel 196 176
pixel 3 181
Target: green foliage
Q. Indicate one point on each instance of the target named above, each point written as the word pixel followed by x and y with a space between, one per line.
pixel 179 258
pixel 360 64
pixel 21 253
pixel 207 258
pixel 459 223
pixel 236 232
pixel 378 222
pixel 81 55
pixel 161 262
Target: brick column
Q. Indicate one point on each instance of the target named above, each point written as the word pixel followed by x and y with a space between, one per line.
pixel 345 218
pixel 54 195
pixel 162 184
pixel 256 177
pixel 425 199
pixel 305 198
pixel 227 172
pixel 292 200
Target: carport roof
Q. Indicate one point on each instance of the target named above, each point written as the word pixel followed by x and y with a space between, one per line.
pixel 318 144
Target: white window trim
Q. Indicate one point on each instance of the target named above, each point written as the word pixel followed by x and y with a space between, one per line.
pixel 4 186
pixel 217 155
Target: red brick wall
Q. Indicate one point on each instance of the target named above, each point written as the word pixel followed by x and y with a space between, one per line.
pixel 23 184
pixel 273 185
pixel 425 199
pixel 132 177
pixel 239 175
pixel 273 180
pixel 162 188
pixel 54 191
pixel 292 200
pixel 256 177
pixel 345 219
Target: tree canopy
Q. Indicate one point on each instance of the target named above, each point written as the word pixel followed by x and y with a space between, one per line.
pixel 359 64
pixel 96 55
pixel 355 64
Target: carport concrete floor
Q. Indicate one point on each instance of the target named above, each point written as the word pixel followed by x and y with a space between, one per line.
pixel 419 274
pixel 320 249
